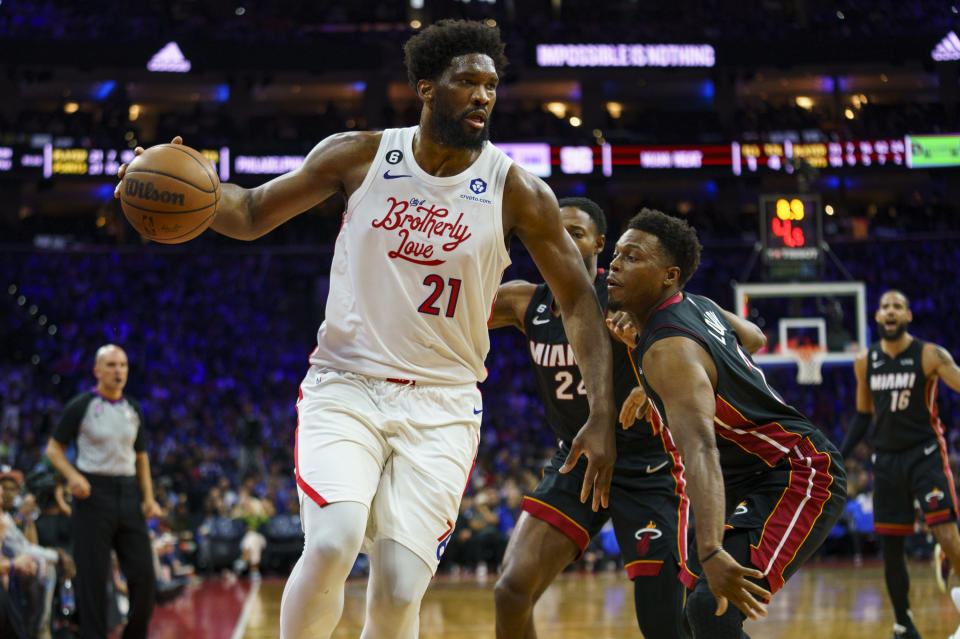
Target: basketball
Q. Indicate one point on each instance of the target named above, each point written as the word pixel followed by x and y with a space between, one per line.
pixel 170 193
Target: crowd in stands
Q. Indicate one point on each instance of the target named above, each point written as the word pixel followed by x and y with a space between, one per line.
pixel 383 26
pixel 218 341
pixel 573 20
pixel 218 338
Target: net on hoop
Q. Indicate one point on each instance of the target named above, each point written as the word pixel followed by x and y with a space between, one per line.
pixel 809 363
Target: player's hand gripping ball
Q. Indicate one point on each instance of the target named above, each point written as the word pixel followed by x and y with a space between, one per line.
pixel 170 193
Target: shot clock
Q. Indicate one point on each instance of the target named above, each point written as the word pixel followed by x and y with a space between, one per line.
pixel 791 235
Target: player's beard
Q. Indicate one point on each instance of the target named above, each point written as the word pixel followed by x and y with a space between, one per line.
pixel 450 127
pixel 893 335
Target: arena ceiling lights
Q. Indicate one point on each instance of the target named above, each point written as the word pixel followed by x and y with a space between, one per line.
pixel 170 59
pixel 947 49
pixel 626 55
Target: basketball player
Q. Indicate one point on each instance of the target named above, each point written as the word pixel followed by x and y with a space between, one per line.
pixel 648 505
pixel 897 381
pixel 766 486
pixel 389 411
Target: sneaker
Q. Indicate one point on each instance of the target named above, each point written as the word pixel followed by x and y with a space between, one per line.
pixel 902 632
pixel 955 596
pixel 941 567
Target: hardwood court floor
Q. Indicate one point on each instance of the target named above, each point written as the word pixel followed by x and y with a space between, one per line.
pixel 828 601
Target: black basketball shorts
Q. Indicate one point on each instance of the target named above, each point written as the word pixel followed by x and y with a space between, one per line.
pixel 648 506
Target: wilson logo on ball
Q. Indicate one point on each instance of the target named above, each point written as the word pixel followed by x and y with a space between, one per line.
pixel 147 191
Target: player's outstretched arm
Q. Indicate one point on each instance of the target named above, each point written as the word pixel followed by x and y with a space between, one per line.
pixel 751 337
pixel 511 304
pixel 861 421
pixel 938 361
pixel 690 407
pixel 337 164
pixel 531 211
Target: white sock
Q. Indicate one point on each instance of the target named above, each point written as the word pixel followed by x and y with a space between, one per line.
pixel 313 596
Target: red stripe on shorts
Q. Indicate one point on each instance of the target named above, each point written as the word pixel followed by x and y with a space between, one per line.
pixel 795 514
pixel 686 576
pixel 900 530
pixel 570 528
pixel 643 568
pixel 310 492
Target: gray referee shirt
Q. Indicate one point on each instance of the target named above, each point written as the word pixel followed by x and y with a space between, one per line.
pixel 108 434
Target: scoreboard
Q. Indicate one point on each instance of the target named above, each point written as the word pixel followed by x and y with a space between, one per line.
pixel 791 235
pixel 786 156
pixel 49 161
pixel 65 156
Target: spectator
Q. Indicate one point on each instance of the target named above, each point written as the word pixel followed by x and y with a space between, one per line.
pixel 249 433
pixel 36 584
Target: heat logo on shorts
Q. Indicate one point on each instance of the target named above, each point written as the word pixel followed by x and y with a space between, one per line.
pixel 933 497
pixel 443 539
pixel 644 536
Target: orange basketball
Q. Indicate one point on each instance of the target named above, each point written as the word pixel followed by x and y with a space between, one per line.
pixel 170 193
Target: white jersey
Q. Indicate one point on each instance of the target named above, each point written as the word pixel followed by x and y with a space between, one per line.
pixel 416 268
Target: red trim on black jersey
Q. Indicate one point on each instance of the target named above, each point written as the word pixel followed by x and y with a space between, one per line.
pixel 673 300
pixel 937 426
pixel 683 330
pixel 769 442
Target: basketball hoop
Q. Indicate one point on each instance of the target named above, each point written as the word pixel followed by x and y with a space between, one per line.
pixel 809 362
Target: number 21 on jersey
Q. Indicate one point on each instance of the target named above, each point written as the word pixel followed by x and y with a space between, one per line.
pixel 436 282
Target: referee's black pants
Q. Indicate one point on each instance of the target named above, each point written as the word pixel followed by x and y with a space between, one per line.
pixel 111 518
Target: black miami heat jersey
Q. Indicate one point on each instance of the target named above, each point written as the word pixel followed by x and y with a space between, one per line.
pixel 754 427
pixel 904 400
pixel 559 383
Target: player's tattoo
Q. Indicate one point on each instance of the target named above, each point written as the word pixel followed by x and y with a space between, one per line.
pixel 944 355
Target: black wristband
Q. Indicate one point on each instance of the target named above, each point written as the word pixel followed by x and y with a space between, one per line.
pixel 704 560
pixel 858 429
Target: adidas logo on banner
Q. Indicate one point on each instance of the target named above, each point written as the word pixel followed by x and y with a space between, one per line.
pixel 169 58
pixel 947 49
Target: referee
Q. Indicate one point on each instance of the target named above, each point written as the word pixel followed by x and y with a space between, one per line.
pixel 113 491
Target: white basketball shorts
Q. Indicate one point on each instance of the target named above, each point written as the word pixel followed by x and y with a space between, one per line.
pixel 406 451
